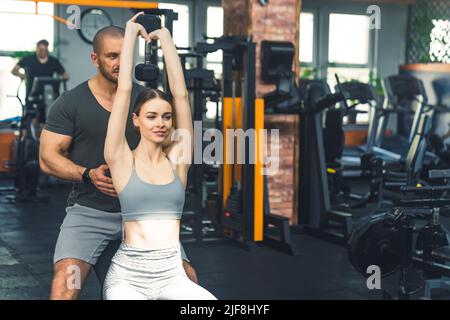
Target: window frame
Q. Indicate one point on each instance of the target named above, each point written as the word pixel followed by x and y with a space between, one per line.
pixel 55 52
pixel 190 5
pixel 321 28
pixel 316 30
pixel 371 50
pixel 12 54
pixel 209 62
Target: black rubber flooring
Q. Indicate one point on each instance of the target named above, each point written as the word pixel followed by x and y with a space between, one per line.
pixel 321 270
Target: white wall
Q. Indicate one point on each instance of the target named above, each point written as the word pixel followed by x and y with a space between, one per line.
pixel 392 39
pixel 73 52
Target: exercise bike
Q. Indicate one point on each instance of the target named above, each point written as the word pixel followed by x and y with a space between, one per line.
pixel 26 162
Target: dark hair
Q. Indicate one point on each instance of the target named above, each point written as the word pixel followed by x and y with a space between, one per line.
pixel 111 31
pixel 149 94
pixel 42 42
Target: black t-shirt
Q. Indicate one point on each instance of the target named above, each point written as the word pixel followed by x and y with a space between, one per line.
pixel 34 68
pixel 78 114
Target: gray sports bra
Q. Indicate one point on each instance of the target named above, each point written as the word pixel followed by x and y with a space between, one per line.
pixel 140 200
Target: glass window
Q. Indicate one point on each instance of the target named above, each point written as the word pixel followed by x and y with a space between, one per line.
pixel 212 108
pixel 348 53
pixel 29 28
pixel 180 27
pixel 214 28
pixel 306 37
pixel 348 41
pixel 214 21
pixel 9 105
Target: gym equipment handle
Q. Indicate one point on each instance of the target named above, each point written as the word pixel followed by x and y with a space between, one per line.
pixel 328 101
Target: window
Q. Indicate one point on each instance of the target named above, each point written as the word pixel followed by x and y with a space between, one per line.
pixel 348 39
pixel 337 43
pixel 348 47
pixel 214 28
pixel 306 37
pixel 214 24
pixel 9 106
pixel 180 27
pixel 348 52
pixel 29 28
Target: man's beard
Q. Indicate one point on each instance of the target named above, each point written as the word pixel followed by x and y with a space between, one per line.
pixel 107 75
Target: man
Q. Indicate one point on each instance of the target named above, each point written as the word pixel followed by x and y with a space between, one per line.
pixel 77 123
pixel 40 64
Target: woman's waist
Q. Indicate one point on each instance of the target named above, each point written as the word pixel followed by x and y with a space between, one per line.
pixel 168 249
pixel 138 258
pixel 152 234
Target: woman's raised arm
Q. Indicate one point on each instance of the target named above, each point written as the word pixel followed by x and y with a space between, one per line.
pixel 182 109
pixel 116 144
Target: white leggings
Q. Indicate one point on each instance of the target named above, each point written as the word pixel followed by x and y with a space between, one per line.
pixel 180 288
pixel 157 274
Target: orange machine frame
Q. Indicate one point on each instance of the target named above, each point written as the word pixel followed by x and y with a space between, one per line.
pixel 227 180
pixel 95 3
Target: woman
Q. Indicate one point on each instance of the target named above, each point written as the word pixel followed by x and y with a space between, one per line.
pixel 149 181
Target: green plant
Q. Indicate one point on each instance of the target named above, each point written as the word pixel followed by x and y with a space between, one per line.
pixel 375 81
pixel 309 73
pixel 420 29
pixel 24 53
pixel 21 54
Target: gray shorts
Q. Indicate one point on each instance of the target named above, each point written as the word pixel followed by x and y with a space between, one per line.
pixel 85 233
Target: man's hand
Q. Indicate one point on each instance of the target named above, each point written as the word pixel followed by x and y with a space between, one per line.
pixel 16 71
pixel 190 271
pixel 65 76
pixel 102 182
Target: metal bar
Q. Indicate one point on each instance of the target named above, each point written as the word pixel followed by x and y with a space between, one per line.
pixel 57 18
pixel 248 169
pixel 103 3
pixel 258 175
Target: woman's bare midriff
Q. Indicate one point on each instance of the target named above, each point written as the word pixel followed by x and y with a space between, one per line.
pixel 152 234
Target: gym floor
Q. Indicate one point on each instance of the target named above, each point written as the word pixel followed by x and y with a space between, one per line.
pixel 321 270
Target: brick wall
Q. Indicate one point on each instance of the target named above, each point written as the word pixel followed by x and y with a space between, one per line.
pixel 236 18
pixel 277 21
pixel 282 185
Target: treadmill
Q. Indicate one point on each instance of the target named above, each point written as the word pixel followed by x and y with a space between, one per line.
pixel 405 96
pixel 362 93
pixel 44 91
